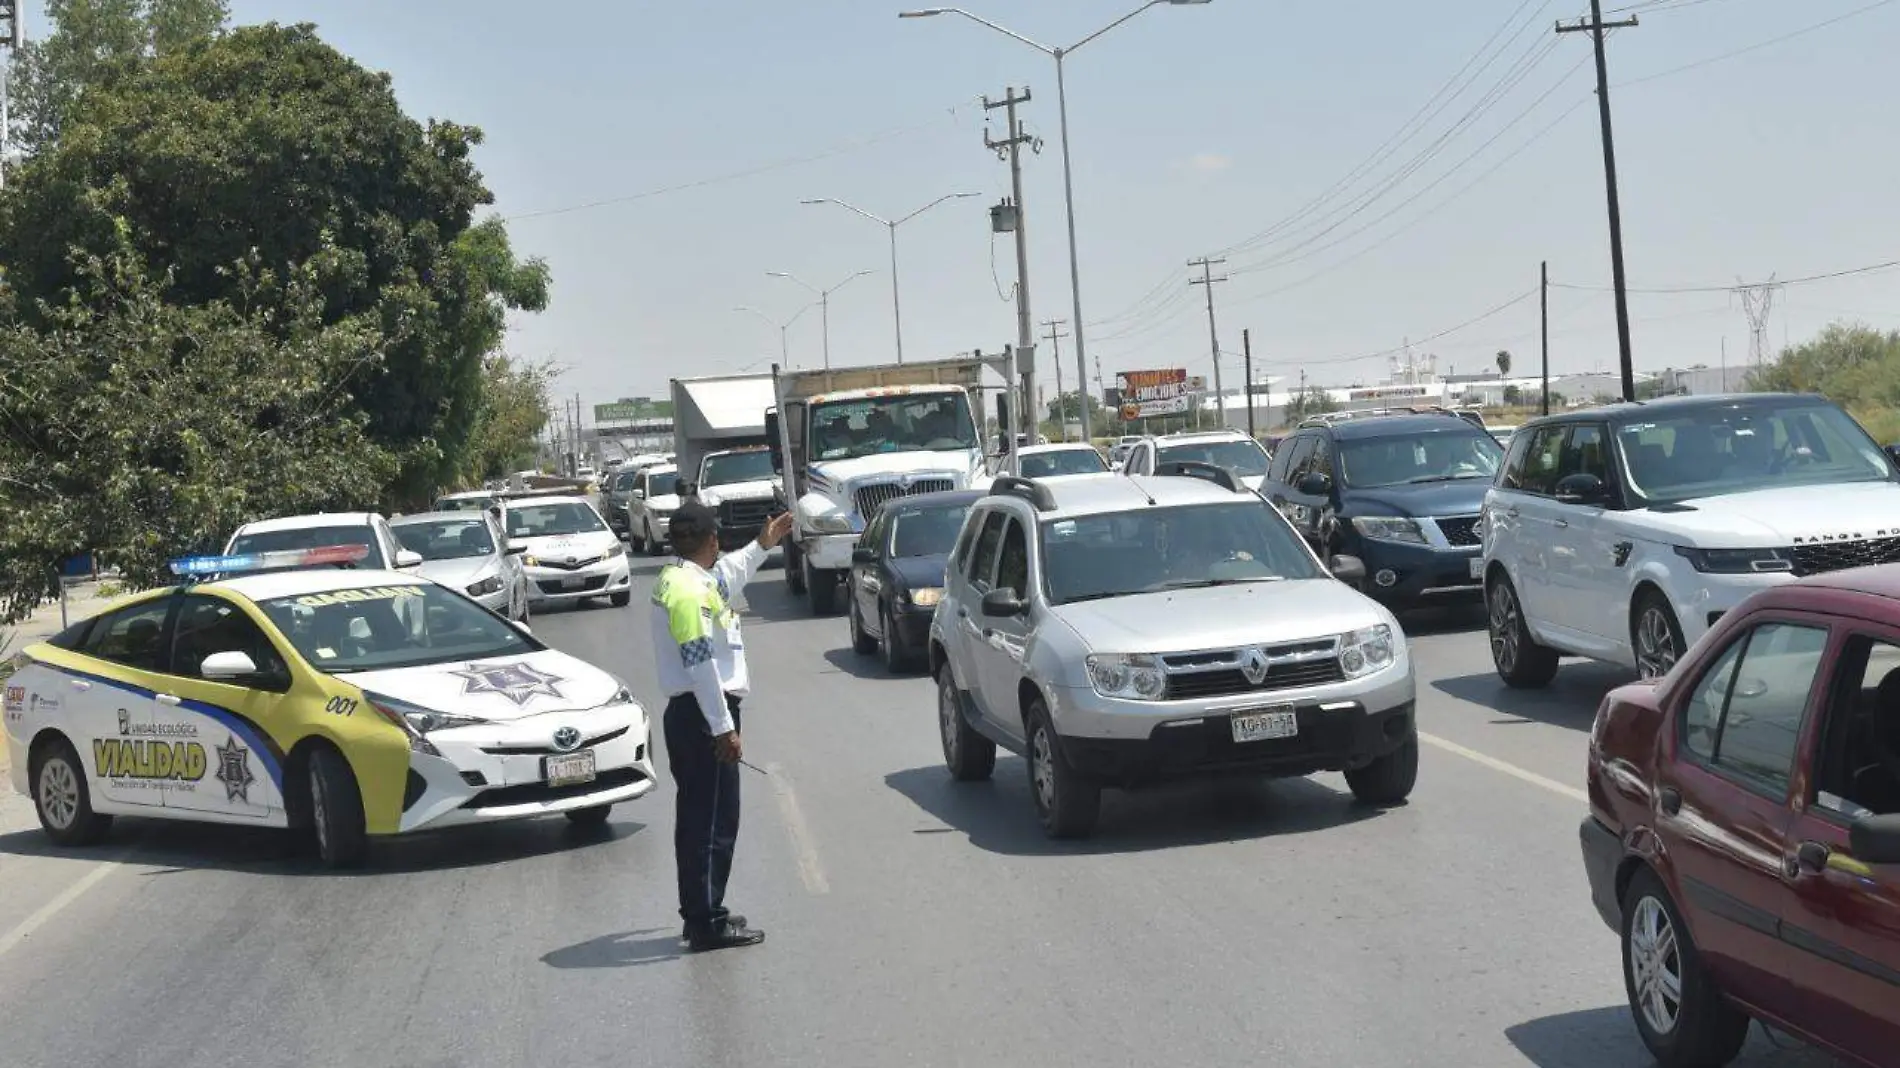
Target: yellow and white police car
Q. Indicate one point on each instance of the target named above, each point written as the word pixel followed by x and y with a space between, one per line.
pixel 350 703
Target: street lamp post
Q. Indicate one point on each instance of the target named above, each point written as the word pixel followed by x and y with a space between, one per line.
pixel 784 348
pixel 1068 183
pixel 824 301
pixel 897 313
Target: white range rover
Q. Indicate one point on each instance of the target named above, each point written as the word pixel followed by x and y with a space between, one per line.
pixel 1622 533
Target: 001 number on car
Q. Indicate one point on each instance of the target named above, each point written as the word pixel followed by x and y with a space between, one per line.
pixel 341 706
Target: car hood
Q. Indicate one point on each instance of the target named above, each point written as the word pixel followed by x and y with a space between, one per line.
pixel 500 689
pixel 578 546
pixel 1217 617
pixel 1465 497
pixel 1777 518
pixel 459 573
pixel 756 490
pixel 919 572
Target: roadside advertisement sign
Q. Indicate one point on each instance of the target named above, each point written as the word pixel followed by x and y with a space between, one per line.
pixel 1146 393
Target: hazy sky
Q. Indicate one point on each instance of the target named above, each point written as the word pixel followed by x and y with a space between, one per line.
pixel 1195 129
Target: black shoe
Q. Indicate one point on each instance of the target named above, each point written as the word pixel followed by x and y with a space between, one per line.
pixel 732 920
pixel 724 936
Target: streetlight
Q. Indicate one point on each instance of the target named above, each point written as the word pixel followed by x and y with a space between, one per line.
pixel 824 301
pixel 1068 185
pixel 897 315
pixel 784 350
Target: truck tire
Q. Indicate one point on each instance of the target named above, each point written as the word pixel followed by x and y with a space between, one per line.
pixel 794 569
pixel 821 588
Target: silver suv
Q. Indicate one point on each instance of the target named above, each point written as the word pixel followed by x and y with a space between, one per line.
pixel 1124 630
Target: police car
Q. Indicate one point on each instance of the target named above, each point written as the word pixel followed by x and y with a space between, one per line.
pixel 351 703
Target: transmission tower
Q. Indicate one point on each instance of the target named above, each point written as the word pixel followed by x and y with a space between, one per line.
pixel 1758 299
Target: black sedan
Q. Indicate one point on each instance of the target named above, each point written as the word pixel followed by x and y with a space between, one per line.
pixel 897 573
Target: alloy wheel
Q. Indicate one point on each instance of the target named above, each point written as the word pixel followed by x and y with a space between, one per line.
pixel 319 810
pixel 1656 651
pixel 1504 626
pixel 1655 966
pixel 947 714
pixel 59 793
pixel 1042 769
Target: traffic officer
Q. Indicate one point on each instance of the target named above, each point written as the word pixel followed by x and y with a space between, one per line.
pixel 700 661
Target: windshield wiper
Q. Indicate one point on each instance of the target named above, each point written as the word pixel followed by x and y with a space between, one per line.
pixel 1195 584
pixel 1422 479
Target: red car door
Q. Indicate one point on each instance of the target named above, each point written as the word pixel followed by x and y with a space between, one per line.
pixel 1844 914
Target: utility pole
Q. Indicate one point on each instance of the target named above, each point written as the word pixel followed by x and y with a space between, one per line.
pixel 1543 320
pixel 1207 280
pixel 1246 354
pixel 1595 27
pixel 1010 148
pixel 1055 336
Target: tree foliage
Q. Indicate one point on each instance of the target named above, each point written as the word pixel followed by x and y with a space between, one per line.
pixel 144 429
pixel 513 411
pixel 266 146
pixel 1504 363
pixel 1307 402
pixel 1854 365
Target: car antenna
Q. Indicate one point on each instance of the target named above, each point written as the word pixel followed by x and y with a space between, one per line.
pixel 1143 490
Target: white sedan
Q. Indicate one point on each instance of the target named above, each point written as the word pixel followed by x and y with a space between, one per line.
pixel 570 553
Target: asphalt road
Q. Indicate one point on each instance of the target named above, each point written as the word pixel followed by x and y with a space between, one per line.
pixel 911 920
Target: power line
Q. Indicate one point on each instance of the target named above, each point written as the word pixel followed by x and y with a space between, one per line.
pixel 1759 45
pixel 1382 353
pixel 1806 280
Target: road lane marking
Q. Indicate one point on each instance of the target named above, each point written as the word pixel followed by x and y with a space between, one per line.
pixel 1507 768
pixel 809 869
pixel 77 890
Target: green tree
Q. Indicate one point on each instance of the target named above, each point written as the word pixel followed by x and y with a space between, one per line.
pixel 264 146
pixel 508 425
pixel 1854 365
pixel 88 41
pixel 1504 363
pixel 141 429
pixel 1068 406
pixel 1307 402
pixel 1513 396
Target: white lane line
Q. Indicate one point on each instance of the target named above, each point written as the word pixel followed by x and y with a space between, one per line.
pixel 12 939
pixel 1512 770
pixel 808 867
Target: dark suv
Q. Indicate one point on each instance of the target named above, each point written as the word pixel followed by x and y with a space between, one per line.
pixel 1401 492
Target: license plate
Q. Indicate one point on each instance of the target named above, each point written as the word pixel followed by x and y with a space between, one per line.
pixel 1477 567
pixel 573 584
pixel 1261 726
pixel 568 770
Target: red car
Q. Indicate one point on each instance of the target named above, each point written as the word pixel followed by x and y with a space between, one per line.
pixel 1744 827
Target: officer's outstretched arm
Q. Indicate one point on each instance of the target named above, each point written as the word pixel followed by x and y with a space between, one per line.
pixel 738 566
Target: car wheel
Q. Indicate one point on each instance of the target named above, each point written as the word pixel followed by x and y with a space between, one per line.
pixel 969 756
pixel 621 599
pixel 1521 662
pixel 821 589
pixel 63 799
pixel 1655 635
pixel 527 607
pixel 336 811
pixel 897 657
pixel 1389 779
pixel 636 543
pixel 595 816
pixel 1067 802
pixel 861 643
pixel 794 569
pixel 1683 1017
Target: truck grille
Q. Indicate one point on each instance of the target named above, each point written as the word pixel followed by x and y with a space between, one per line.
pixel 1460 530
pixel 1841 555
pixel 745 514
pixel 1219 674
pixel 871 498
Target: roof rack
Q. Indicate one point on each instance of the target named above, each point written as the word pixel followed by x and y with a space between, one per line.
pixel 1332 418
pixel 1026 488
pixel 198 568
pixel 1206 472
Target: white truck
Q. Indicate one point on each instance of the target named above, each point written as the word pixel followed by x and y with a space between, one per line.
pixel 720 446
pixel 847 440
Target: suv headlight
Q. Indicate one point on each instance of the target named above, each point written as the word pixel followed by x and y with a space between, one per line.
pixel 833 523
pixel 1135 677
pixel 923 597
pixel 491 584
pixel 1363 652
pixel 1389 528
pixel 1736 561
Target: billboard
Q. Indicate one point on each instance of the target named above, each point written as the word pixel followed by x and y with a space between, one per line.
pixel 1146 393
pixel 629 410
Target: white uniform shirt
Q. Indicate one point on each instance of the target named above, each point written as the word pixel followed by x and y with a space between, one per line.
pixel 697 647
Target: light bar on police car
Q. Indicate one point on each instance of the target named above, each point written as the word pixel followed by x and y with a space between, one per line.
pixel 242 562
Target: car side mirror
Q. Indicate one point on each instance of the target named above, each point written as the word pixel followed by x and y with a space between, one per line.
pixel 406 558
pixel 1876 839
pixel 687 489
pixel 864 554
pixel 1348 569
pixel 233 666
pixel 1581 488
pixel 1314 484
pixel 1004 604
pixel 639 495
pixel 516 548
pixel 1894 451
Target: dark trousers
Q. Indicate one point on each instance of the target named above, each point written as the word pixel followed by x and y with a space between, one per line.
pixel 706 811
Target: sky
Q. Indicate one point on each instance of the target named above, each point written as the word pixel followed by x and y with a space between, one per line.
pixel 655 155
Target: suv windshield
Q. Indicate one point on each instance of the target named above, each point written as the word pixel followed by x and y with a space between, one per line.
pixel 661 483
pixel 461 504
pixel 553 519
pixel 1242 456
pixel 447 539
pixel 1756 445
pixel 1063 462
pixel 265 541
pixel 626 481
pixel 926 531
pixel 724 470
pixel 844 430
pixel 1170 548
pixel 1437 456
pixel 380 627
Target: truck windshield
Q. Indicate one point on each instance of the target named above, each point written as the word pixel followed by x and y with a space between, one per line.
pixel 845 430
pixel 1706 452
pixel 724 469
pixel 1120 554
